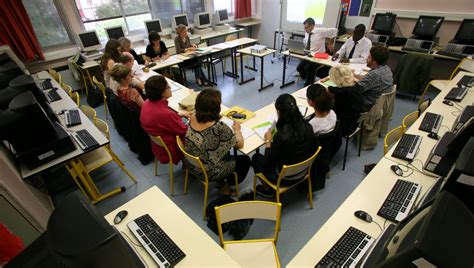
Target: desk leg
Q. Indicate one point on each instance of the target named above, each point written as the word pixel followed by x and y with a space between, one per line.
pixel 242 81
pixel 183 74
pixel 261 77
pixel 251 68
pixel 283 84
pixel 210 71
pixel 233 62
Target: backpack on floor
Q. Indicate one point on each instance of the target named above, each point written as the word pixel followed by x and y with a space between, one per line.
pixel 240 228
pixel 211 213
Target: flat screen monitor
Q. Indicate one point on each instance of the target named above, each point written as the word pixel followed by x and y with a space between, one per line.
pixel 439 233
pixel 384 23
pixel 89 41
pixel 465 34
pixel 427 27
pixel 180 19
pixel 153 25
pixel 202 20
pixel 222 16
pixel 115 32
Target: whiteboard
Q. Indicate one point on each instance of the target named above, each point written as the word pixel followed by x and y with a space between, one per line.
pixel 294 12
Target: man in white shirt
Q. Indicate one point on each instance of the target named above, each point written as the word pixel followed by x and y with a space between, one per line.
pixel 356 49
pixel 314 41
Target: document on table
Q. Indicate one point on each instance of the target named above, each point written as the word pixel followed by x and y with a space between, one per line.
pixel 43 75
pixel 246 132
pixel 262 128
pixel 174 86
pixel 145 75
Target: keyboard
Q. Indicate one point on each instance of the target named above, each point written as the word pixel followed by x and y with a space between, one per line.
pixel 46 84
pixel 53 95
pixel 400 200
pixel 467 81
pixel 155 241
pixel 415 49
pixel 450 54
pixel 84 139
pixel 431 122
pixel 457 94
pixel 73 118
pixel 407 147
pixel 348 250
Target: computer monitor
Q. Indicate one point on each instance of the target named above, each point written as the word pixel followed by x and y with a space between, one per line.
pixel 427 27
pixel 89 41
pixel 221 16
pixel 180 19
pixel 462 136
pixel 202 20
pixel 438 234
pixel 384 23
pixel 115 32
pixel 153 25
pixel 465 34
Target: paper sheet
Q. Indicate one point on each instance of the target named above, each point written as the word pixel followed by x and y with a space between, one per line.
pixel 262 128
pixel 246 132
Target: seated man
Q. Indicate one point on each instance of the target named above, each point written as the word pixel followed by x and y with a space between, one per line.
pixel 378 80
pixel 314 40
pixel 355 49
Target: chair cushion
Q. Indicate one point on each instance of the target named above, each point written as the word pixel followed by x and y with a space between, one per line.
pixel 95 159
pixel 253 254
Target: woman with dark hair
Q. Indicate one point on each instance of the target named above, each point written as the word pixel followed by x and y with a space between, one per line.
pixel 324 118
pixel 112 53
pixel 126 93
pixel 158 119
pixel 292 143
pixel 182 43
pixel 156 49
pixel 211 140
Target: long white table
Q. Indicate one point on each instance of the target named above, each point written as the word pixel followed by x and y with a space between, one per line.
pixel 200 249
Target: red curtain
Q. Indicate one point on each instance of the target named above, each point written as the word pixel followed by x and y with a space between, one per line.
pixel 17 32
pixel 243 9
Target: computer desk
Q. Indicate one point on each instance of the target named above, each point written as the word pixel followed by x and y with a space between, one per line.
pixel 200 249
pixel 370 195
pixel 449 113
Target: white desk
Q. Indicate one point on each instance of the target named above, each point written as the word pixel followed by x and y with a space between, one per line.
pixel 247 51
pixel 200 249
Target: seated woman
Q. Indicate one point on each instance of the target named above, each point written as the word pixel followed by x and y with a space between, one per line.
pixel 211 140
pixel 182 45
pixel 156 49
pixel 126 45
pixel 324 119
pixel 112 53
pixel 127 60
pixel 154 110
pixel 292 143
pixel 347 97
pixel 127 94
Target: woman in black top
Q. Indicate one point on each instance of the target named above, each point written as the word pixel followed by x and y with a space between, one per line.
pixel 156 50
pixel 292 143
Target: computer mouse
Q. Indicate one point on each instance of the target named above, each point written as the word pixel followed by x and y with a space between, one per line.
pixel 433 136
pixel 120 216
pixel 448 102
pixel 397 170
pixel 363 215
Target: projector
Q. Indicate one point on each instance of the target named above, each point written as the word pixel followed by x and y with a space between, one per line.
pixel 258 49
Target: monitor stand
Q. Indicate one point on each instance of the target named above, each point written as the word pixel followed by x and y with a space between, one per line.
pixel 221 27
pixel 91 55
pixel 202 31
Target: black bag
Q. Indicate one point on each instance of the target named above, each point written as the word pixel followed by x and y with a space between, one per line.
pixel 95 98
pixel 240 228
pixel 211 213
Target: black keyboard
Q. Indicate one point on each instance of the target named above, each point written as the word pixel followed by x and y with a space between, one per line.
pixel 450 54
pixel 53 95
pixel 73 118
pixel 431 122
pixel 414 49
pixel 46 84
pixel 400 200
pixel 84 139
pixel 407 147
pixel 156 242
pixel 348 250
pixel 467 81
pixel 456 94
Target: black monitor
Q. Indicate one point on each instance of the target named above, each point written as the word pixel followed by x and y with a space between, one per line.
pixel 89 41
pixel 115 32
pixel 462 137
pixel 465 34
pixel 181 19
pixel 427 27
pixel 78 236
pixel 439 233
pixel 153 25
pixel 223 15
pixel 384 23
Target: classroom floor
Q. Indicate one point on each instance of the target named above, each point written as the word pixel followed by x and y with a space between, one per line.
pixel 299 222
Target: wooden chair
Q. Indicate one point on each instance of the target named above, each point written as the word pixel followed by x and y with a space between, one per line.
pixel 75 97
pixel 159 141
pixel 253 252
pixel 409 119
pixel 301 170
pixel 101 87
pixel 392 136
pixel 196 161
pixel 57 76
pixel 89 112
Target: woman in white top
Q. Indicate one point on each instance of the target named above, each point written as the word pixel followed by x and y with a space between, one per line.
pixel 324 119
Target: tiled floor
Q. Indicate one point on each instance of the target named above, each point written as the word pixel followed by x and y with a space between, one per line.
pixel 299 222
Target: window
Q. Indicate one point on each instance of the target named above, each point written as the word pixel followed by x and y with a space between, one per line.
pixel 192 7
pixel 47 23
pixel 225 4
pixel 166 9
